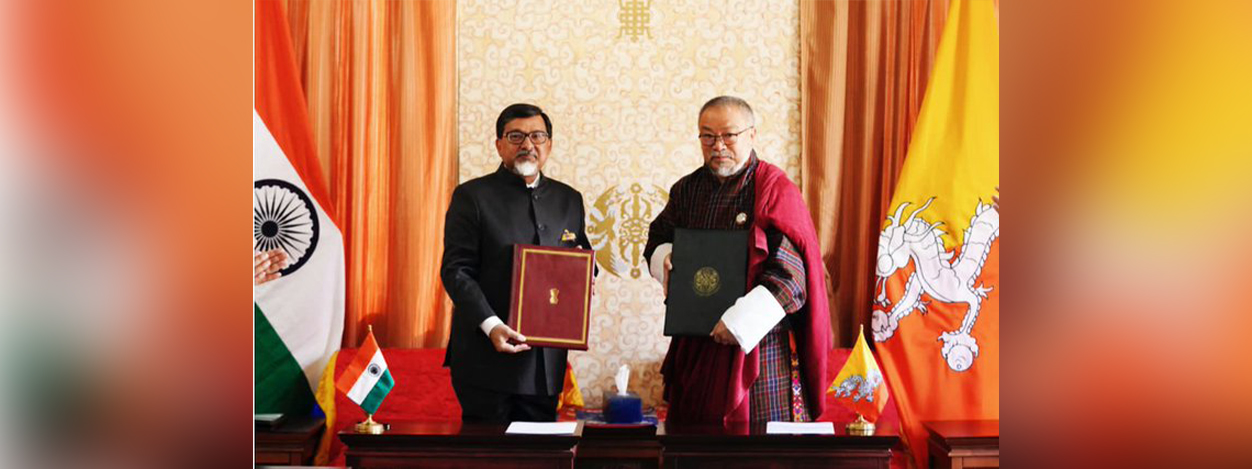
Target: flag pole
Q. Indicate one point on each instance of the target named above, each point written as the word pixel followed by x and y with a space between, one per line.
pixel 369 425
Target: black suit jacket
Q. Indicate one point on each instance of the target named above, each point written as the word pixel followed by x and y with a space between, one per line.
pixel 487 216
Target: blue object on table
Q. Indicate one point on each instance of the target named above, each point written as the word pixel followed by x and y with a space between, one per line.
pixel 622 408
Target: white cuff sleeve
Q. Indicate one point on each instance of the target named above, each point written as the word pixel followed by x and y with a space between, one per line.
pixel 490 323
pixel 657 265
pixel 752 316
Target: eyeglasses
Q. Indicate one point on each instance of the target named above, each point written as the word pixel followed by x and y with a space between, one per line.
pixel 517 137
pixel 709 140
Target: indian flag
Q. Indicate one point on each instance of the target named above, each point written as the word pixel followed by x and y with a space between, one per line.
pixel 299 316
pixel 367 380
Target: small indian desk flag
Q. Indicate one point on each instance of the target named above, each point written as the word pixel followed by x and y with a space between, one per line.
pixel 859 385
pixel 367 381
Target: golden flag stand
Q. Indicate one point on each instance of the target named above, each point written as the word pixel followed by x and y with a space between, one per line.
pixel 371 427
pixel 860 427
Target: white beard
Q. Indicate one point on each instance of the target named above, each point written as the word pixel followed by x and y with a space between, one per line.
pixel 728 171
pixel 526 168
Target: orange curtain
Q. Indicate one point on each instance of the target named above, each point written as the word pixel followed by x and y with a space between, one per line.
pixel 864 67
pixel 380 79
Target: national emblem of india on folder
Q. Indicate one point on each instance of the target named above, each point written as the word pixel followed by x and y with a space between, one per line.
pixel 551 302
pixel 710 273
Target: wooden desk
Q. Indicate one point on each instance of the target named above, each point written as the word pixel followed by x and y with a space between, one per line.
pixel 292 443
pixel 959 444
pixel 618 447
pixel 452 444
pixel 744 446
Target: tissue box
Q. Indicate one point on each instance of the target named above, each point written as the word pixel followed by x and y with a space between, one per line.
pixel 622 408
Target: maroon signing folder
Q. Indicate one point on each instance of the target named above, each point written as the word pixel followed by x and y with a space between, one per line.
pixel 551 302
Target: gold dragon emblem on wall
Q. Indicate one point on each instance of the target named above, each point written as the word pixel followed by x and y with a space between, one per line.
pixel 618 227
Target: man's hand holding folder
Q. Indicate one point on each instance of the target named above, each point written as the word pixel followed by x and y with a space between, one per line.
pixel 506 340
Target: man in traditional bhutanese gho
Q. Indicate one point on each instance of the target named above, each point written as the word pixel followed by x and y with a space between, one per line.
pixel 496 376
pixel 766 358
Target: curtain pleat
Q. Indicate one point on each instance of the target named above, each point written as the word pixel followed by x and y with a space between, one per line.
pixel 380 79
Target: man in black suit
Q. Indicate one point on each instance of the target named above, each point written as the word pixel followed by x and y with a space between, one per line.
pixel 496 376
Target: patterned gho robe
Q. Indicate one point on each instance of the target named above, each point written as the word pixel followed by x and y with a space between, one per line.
pixel 779 380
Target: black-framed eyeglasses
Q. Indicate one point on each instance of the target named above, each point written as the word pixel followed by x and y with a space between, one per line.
pixel 709 140
pixel 516 137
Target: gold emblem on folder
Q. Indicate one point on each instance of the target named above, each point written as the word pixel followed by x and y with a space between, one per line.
pixel 706 282
pixel 552 296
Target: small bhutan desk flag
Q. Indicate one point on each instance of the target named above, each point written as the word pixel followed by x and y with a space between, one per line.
pixel 571 396
pixel 859 385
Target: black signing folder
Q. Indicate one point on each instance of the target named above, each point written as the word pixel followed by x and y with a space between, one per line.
pixel 710 273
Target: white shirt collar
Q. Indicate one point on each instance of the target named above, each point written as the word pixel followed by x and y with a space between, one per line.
pixel 536 183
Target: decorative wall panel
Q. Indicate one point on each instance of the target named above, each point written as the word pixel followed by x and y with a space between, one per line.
pixel 623 82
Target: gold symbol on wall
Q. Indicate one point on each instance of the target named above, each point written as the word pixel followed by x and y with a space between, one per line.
pixel 552 296
pixel 635 17
pixel 618 227
pixel 706 281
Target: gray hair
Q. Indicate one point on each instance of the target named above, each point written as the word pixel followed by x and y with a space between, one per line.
pixel 731 102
